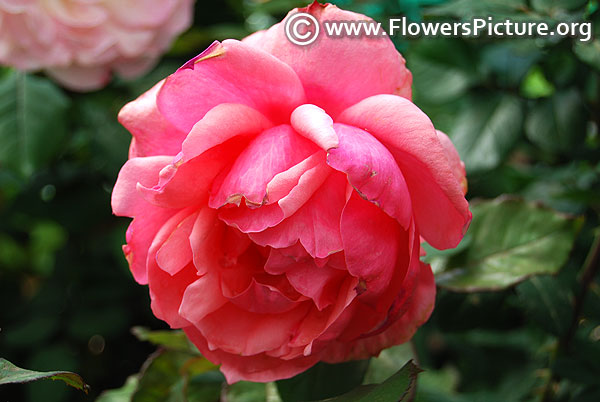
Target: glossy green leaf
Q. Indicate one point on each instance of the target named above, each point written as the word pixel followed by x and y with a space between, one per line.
pixel 33 122
pixel 511 240
pixel 11 374
pixel 486 130
pixel 397 388
pixel 323 381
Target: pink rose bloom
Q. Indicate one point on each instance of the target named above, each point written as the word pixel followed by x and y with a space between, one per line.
pixel 80 42
pixel 279 194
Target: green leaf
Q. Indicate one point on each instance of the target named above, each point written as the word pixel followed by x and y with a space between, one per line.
pixel 169 339
pixel 442 70
pixel 122 394
pixel 547 302
pixel 486 130
pixel 535 84
pixel 323 381
pixel 388 362
pixel 557 6
pixel 588 52
pixel 558 123
pixel 159 376
pixel 166 376
pixel 397 388
pixel 11 374
pixel 32 122
pixel 467 9
pixel 511 241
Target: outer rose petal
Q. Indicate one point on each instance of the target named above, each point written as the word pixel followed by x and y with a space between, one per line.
pixel 458 167
pixel 230 72
pixel 441 210
pixel 338 72
pixel 152 133
pixel 259 368
pixel 126 201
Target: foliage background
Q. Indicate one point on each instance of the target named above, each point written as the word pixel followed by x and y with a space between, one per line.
pixel 524 115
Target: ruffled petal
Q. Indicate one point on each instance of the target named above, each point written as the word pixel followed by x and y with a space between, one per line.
pixel 316 224
pixel 270 153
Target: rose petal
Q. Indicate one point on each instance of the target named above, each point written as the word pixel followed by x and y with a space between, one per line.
pixel 373 172
pixel 270 153
pixel 153 134
pixel 221 123
pixel 441 211
pixel 315 124
pixel 232 72
pixel 359 67
pixel 261 368
pixel 316 224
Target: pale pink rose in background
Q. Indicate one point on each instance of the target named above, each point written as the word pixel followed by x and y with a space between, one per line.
pixel 279 195
pixel 80 43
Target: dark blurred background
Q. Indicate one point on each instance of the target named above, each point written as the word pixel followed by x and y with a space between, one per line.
pixel 524 114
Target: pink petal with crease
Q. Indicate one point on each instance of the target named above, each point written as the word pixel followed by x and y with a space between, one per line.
pixel 373 172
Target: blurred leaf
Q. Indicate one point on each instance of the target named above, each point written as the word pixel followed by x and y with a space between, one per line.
pixel 548 302
pixel 30 331
pixel 556 6
pixel 323 381
pixel 166 376
pixel 581 363
pixel 11 374
pixel 32 122
pixel 170 339
pixel 46 239
pixel 535 84
pixel 589 52
pixel 159 376
pixel 487 129
pixel 509 60
pixel 467 9
pixel 245 391
pixel 122 394
pixel 442 70
pixel 387 363
pixel 511 240
pixel 397 388
pixel 558 123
